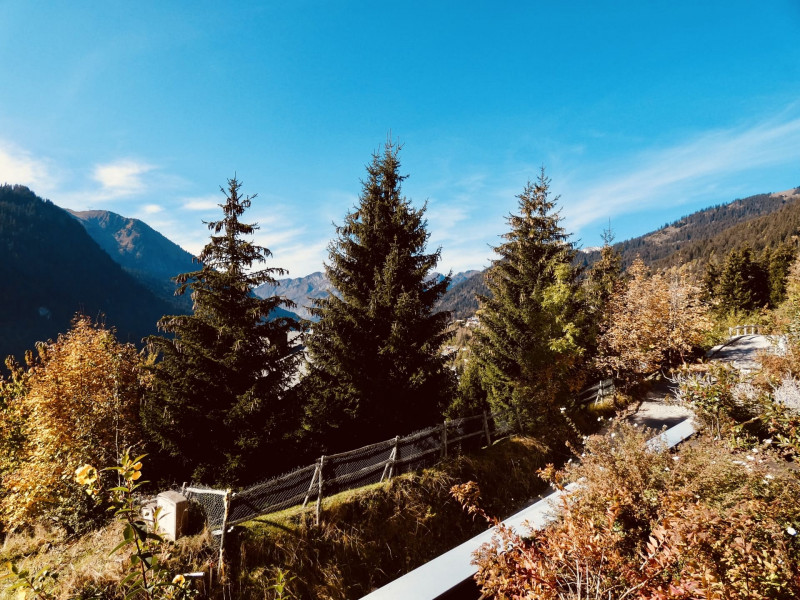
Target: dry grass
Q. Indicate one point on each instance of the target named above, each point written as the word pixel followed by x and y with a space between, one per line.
pixel 85 566
pixel 370 536
pixel 82 564
pixel 366 538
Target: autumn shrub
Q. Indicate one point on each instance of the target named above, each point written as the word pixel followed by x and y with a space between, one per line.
pixel 709 522
pixel 77 403
pixel 746 408
pixel 652 322
pixel 126 558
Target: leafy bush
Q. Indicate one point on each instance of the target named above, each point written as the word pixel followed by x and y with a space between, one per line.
pixel 141 565
pixel 652 323
pixel 746 409
pixel 710 522
pixel 78 402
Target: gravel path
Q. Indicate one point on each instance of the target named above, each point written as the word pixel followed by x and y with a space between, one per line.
pixel 742 351
pixel 658 408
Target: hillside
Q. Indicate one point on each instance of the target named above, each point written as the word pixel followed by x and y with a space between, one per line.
pixel 713 230
pixel 760 220
pixel 52 268
pixel 460 299
pixel 141 251
pixel 769 230
pixel 300 290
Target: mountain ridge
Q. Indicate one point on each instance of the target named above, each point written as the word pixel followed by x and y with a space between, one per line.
pixel 143 252
pixel 52 269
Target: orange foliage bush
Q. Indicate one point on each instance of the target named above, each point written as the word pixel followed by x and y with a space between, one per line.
pixel 77 403
pixel 652 323
pixel 645 524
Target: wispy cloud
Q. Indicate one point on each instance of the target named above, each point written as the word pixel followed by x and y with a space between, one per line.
pixel 121 178
pixel 152 209
pixel 18 166
pixel 677 173
pixel 300 259
pixel 202 203
pixel 447 217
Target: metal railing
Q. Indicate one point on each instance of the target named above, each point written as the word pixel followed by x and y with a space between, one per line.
pixel 744 330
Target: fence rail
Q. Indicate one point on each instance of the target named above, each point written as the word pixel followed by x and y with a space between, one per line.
pixel 597 392
pixel 337 473
pixel 744 330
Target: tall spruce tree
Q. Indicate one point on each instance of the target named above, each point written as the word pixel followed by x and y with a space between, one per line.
pixel 217 404
pixel 743 283
pixel 602 279
pixel 374 365
pixel 604 275
pixel 530 341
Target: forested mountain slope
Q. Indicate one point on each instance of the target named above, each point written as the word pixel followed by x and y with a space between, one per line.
pixel 713 230
pixel 760 220
pixel 460 299
pixel 304 290
pixel 141 251
pixel 300 290
pixel 769 230
pixel 52 269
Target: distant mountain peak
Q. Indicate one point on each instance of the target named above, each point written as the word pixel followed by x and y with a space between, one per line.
pixel 52 269
pixel 141 250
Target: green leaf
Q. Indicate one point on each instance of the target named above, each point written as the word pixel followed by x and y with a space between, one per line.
pixel 129 577
pixel 120 545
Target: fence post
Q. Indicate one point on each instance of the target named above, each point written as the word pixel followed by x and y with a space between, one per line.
pixel 444 439
pixel 390 463
pixel 226 500
pixel 319 492
pixel 486 429
pixel 311 485
pixel 519 419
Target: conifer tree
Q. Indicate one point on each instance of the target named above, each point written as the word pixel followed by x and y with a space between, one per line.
pixel 374 365
pixel 602 280
pixel 217 403
pixel 743 283
pixel 604 275
pixel 778 260
pixel 531 336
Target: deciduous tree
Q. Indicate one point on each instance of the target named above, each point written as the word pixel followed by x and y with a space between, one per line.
pixel 653 322
pixel 78 402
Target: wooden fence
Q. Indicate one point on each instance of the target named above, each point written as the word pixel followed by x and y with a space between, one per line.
pixel 598 391
pixel 336 473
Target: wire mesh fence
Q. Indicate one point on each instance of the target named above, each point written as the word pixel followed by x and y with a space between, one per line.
pixel 212 503
pixel 333 474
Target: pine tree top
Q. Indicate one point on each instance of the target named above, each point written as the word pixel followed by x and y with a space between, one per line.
pixel 383 239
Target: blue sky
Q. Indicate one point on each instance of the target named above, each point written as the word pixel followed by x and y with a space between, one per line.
pixel 641 112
